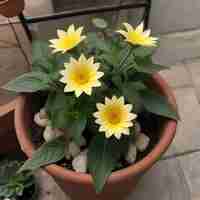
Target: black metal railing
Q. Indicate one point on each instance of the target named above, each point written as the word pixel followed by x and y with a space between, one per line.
pixel 86 11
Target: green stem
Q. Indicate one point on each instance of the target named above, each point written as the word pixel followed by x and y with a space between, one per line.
pixel 125 58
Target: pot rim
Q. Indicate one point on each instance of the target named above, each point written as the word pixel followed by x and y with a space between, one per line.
pixel 168 130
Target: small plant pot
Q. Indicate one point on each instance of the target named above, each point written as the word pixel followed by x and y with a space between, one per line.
pixel 120 183
pixel 8 139
pixel 11 8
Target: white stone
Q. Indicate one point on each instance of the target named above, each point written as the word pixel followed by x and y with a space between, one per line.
pixel 49 134
pixel 67 154
pixel 82 141
pixel 142 142
pixel 43 113
pixel 58 132
pixel 79 163
pixel 137 127
pixel 40 120
pixel 132 153
pixel 74 149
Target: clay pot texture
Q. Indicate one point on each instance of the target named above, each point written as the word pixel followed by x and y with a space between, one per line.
pixel 11 8
pixel 80 186
pixel 8 139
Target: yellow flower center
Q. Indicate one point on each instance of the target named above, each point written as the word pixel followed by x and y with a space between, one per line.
pixel 81 75
pixel 113 114
pixel 137 37
pixel 82 78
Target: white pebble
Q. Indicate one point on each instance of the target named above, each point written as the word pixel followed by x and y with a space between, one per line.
pixel 43 113
pixel 67 154
pixel 132 153
pixel 40 121
pixel 82 141
pixel 142 142
pixel 74 149
pixel 137 127
pixel 49 134
pixel 58 132
pixel 79 163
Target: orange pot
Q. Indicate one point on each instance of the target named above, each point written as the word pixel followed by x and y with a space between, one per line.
pixel 11 8
pixel 78 185
pixel 8 139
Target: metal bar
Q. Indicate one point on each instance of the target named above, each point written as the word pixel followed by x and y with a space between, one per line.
pixel 87 11
pixel 147 14
pixel 25 26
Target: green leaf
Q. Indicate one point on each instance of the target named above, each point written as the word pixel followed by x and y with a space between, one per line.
pixel 43 60
pixel 48 153
pixel 131 92
pixel 99 23
pixel 117 80
pixel 78 127
pixel 29 82
pixel 60 108
pixel 97 43
pixel 8 170
pixel 45 65
pixel 40 51
pixel 145 65
pixel 143 51
pixel 60 59
pixel 103 156
pixel 157 104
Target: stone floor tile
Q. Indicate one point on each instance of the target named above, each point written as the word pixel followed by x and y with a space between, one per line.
pixel 187 136
pixel 177 76
pixel 6 33
pixel 171 151
pixel 165 181
pixel 191 168
pixel 6 96
pixel 3 20
pixel 170 16
pixel 175 47
pixel 194 67
pixel 12 64
pixel 48 189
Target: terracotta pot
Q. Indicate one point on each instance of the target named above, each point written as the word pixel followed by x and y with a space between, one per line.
pixel 78 185
pixel 11 8
pixel 8 139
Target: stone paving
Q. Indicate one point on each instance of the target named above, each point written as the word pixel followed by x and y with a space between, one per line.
pixel 177 175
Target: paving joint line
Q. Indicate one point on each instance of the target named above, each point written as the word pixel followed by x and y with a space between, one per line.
pixel 176 155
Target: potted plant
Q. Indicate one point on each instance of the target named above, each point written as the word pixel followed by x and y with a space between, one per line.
pixel 16 186
pixel 11 8
pixel 106 114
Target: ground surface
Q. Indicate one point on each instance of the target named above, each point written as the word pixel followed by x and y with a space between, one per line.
pixel 175 178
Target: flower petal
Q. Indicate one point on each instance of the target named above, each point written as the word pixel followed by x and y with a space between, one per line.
pixel 129 28
pixel 61 33
pixel 140 28
pixel 71 29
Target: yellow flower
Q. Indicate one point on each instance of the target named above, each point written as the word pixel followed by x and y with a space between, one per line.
pixel 67 40
pixel 81 75
pixel 114 117
pixel 138 36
